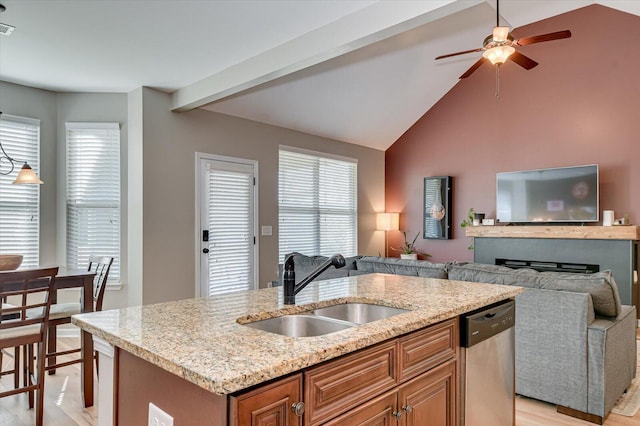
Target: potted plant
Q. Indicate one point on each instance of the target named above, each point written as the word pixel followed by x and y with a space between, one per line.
pixel 468 221
pixel 408 249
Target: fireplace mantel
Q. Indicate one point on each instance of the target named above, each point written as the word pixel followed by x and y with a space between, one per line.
pixel 619 232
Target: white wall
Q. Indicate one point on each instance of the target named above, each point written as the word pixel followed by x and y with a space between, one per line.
pixel 158 176
pixel 170 141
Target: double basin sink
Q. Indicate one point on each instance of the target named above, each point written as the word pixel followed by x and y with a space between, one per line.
pixel 326 320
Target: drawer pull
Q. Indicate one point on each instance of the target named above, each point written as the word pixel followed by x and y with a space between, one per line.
pixel 397 414
pixel 298 408
pixel 407 408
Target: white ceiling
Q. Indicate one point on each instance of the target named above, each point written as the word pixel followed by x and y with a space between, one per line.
pixel 360 71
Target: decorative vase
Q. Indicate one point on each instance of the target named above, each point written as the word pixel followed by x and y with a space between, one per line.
pixel 410 256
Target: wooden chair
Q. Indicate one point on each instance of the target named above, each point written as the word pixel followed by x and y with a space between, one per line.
pixel 32 288
pixel 61 312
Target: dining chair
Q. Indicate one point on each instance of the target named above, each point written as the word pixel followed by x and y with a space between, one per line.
pixel 31 290
pixel 60 313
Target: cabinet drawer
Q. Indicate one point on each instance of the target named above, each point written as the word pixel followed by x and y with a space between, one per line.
pixel 378 411
pixel 420 351
pixel 340 385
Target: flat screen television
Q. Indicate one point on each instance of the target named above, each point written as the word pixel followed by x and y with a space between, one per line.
pixel 564 194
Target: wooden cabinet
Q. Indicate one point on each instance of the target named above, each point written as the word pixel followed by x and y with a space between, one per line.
pixel 269 405
pixel 406 381
pixel 429 399
pixel 344 383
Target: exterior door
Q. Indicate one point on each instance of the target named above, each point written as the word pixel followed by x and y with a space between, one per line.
pixel 227 226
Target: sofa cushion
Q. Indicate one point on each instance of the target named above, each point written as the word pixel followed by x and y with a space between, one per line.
pixel 494 274
pixel 392 265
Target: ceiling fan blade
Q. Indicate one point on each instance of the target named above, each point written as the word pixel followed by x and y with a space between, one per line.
pixel 544 37
pixel 524 61
pixel 473 68
pixel 459 53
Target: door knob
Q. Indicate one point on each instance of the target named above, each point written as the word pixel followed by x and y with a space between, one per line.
pixel 205 250
pixel 298 408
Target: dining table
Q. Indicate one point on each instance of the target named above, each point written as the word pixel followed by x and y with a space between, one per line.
pixel 82 279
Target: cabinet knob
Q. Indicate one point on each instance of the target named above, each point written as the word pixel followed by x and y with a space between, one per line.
pixel 397 414
pixel 407 408
pixel 298 408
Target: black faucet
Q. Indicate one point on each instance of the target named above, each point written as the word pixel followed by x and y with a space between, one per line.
pixel 289 276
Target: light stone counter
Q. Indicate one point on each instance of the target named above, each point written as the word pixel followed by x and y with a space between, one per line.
pixel 201 341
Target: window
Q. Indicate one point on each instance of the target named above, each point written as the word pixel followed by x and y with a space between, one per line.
pixel 20 204
pixel 318 213
pixel 93 194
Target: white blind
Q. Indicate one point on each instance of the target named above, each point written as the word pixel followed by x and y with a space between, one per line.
pixel 93 194
pixel 230 223
pixel 318 204
pixel 19 204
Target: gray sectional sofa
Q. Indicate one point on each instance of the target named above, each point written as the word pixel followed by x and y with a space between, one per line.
pixel 575 342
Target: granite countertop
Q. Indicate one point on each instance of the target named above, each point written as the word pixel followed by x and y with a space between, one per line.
pixel 201 340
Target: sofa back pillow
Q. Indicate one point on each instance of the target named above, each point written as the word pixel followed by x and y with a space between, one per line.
pixel 601 286
pixel 393 265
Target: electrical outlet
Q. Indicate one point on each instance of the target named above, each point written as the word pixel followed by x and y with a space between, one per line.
pixel 157 417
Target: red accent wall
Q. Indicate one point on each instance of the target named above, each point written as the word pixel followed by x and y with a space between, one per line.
pixel 581 105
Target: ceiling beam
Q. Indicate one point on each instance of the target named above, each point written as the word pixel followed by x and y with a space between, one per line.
pixel 374 23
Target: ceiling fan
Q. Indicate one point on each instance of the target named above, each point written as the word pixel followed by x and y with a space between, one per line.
pixel 500 46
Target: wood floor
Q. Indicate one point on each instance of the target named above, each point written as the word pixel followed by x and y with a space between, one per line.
pixel 63 404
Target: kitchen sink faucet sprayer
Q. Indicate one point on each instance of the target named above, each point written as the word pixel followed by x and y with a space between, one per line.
pixel 289 276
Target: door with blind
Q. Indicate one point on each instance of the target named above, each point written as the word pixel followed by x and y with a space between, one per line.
pixel 227 225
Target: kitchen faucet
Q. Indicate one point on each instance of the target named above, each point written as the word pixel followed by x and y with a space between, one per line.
pixel 289 276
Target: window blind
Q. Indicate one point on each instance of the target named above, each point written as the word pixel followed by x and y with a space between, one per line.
pixel 93 194
pixel 20 204
pixel 317 197
pixel 230 223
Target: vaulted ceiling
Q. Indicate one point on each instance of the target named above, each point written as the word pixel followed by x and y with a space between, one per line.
pixel 359 71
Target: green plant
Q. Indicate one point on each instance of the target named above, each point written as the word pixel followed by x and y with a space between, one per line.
pixel 410 247
pixel 468 221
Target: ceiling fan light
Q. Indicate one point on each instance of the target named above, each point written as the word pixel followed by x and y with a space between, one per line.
pixel 500 34
pixel 499 54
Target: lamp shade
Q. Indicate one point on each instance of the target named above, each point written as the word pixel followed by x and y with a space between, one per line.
pixel 498 54
pixel 388 221
pixel 27 176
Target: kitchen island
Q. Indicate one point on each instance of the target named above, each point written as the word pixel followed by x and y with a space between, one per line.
pixel 202 347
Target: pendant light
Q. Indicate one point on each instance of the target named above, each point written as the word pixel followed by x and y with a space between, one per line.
pixel 26 174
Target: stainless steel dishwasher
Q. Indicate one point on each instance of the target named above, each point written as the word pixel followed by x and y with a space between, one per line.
pixel 488 364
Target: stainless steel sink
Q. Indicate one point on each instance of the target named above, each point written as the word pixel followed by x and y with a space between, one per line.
pixel 300 325
pixel 325 320
pixel 358 313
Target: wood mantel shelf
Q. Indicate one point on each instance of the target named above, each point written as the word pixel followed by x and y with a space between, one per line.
pixel 620 232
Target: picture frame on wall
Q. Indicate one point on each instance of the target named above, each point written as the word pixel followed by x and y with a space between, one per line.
pixel 437 207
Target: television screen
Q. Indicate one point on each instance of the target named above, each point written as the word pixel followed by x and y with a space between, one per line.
pixel 565 194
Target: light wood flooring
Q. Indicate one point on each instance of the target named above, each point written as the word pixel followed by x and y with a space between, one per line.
pixel 63 404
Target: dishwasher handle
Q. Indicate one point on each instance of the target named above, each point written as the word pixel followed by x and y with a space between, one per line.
pixel 485 323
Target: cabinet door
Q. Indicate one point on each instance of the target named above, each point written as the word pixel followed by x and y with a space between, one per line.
pixel 377 412
pixel 342 384
pixel 430 399
pixel 269 405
